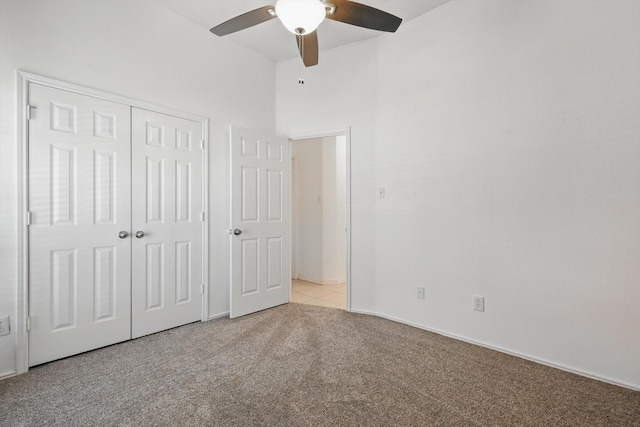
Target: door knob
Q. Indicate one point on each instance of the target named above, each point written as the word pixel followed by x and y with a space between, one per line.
pixel 235 231
pixel 123 234
pixel 139 234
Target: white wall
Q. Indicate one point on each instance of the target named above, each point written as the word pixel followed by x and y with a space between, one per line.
pixel 507 137
pixel 140 50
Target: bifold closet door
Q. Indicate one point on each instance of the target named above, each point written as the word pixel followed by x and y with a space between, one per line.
pixel 167 223
pixel 80 202
pixel 115 241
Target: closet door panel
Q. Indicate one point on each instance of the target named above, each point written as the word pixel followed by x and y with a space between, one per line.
pixel 167 218
pixel 80 200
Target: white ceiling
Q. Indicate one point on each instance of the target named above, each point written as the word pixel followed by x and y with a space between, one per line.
pixel 272 40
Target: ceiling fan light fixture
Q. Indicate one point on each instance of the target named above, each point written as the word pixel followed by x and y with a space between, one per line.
pixel 300 16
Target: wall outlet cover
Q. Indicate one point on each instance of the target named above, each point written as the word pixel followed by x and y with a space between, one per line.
pixel 478 303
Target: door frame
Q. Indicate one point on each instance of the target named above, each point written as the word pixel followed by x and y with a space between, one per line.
pixel 24 78
pixel 346 132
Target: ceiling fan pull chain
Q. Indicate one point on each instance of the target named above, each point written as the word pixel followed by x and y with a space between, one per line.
pixel 301 78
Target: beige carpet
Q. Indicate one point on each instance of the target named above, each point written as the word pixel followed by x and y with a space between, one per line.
pixel 300 365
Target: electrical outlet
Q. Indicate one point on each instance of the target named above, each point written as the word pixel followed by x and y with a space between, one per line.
pixel 478 303
pixel 420 292
pixel 4 326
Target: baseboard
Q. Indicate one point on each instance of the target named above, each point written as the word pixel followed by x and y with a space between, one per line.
pixel 332 282
pixel 8 375
pixel 310 280
pixel 502 350
pixel 218 316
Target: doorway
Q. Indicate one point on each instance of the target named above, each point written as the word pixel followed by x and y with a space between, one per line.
pixel 319 204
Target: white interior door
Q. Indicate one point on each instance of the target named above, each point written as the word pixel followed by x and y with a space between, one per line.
pixel 260 225
pixel 79 199
pixel 168 217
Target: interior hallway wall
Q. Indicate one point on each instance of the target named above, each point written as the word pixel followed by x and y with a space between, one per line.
pixel 335 235
pixel 140 50
pixel 307 197
pixel 506 136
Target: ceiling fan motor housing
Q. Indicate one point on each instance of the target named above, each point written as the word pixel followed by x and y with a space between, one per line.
pixel 300 16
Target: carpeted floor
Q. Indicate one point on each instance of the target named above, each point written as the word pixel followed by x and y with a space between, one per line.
pixel 301 365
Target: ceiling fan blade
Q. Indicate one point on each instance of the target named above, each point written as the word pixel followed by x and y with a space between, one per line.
pixel 308 47
pixel 363 16
pixel 246 20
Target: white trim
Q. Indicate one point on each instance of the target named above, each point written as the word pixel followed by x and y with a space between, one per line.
pixel 83 90
pixel 347 134
pixel 219 315
pixel 293 219
pixel 205 220
pixel 321 134
pixel 331 282
pixel 24 79
pixel 502 350
pixel 22 288
pixel 8 374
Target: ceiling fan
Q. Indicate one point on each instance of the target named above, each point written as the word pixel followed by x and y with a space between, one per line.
pixel 302 18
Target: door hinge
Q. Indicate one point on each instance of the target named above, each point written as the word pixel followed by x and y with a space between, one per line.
pixel 28 217
pixel 202 289
pixel 28 324
pixel 202 216
pixel 30 110
pixel 202 144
